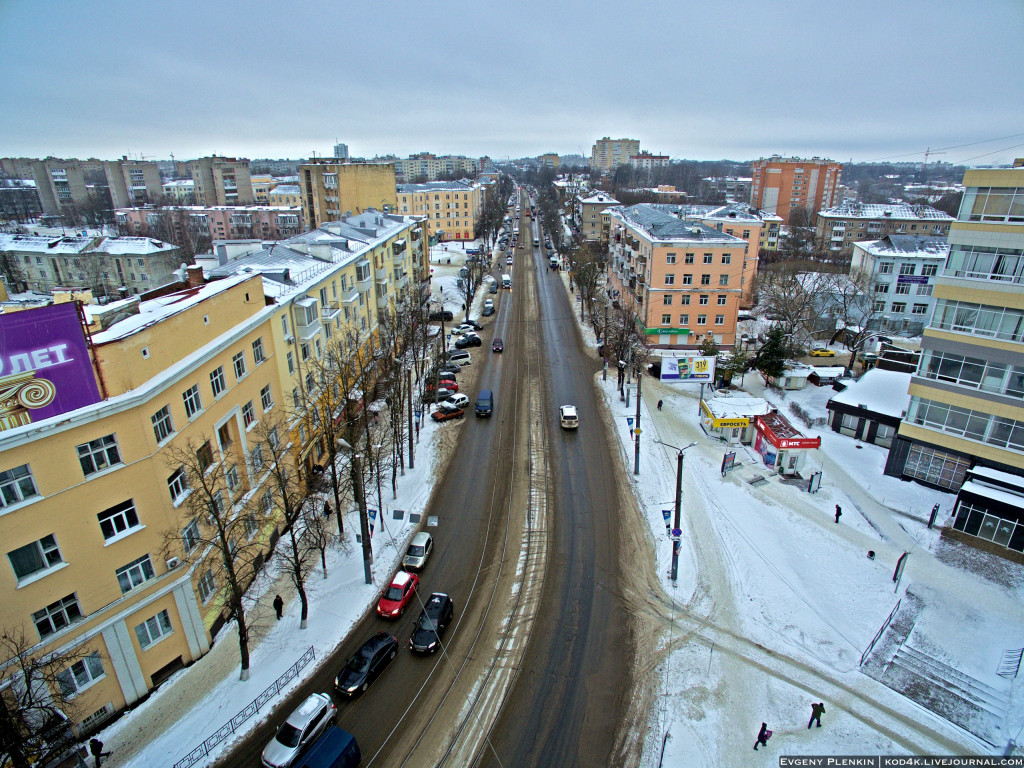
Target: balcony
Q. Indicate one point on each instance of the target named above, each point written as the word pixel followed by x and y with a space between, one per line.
pixel 330 311
pixel 307 321
pixel 350 296
pixel 381 276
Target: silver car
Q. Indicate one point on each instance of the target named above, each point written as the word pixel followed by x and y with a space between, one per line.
pixel 419 550
pixel 302 728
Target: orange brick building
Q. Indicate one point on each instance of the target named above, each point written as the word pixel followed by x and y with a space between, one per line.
pixel 781 184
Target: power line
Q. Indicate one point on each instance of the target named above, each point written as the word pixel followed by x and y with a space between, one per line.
pixel 995 152
pixel 955 146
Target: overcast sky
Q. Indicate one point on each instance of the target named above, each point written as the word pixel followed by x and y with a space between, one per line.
pixel 869 80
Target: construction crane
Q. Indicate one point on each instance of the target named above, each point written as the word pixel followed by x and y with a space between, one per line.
pixel 929 151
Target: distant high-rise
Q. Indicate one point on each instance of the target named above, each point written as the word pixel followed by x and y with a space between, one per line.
pixel 222 181
pixel 608 154
pixel 332 189
pixel 782 184
pixel 341 151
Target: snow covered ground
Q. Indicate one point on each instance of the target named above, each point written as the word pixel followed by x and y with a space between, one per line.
pixel 773 606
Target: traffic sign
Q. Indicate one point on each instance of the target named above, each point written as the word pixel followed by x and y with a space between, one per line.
pixel 636 431
pixel 676 533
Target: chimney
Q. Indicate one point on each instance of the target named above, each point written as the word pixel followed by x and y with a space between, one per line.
pixel 195 276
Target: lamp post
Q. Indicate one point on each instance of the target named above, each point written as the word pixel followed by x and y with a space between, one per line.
pixel 679 503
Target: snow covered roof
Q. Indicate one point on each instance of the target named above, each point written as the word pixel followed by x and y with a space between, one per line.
pixel 659 223
pixel 998 475
pixel 442 186
pixel 179 183
pixel 733 406
pixel 40 244
pixel 879 391
pixel 133 246
pixel 908 246
pixel 990 492
pixel 829 371
pixel 899 211
pixel 599 198
pixel 285 189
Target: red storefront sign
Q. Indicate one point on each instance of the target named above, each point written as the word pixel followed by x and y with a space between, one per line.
pixel 779 432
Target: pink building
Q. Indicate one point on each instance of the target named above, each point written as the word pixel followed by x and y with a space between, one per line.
pixel 266 222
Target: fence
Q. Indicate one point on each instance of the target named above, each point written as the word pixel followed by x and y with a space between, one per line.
pixel 885 626
pixel 251 709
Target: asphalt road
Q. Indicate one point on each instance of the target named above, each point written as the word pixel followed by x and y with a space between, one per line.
pixel 570 688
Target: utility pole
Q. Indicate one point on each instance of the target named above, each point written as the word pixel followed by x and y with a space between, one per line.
pixel 678 515
pixel 408 389
pixel 636 455
pixel 364 518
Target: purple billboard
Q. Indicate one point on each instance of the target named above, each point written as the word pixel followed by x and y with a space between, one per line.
pixel 45 367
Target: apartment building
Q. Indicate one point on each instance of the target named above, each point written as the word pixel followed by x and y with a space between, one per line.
pixel 450 208
pixel 109 266
pixel 19 200
pixel 341 151
pixel 180 222
pixel 285 195
pixel 780 185
pixel 333 189
pixel 902 270
pixel 134 182
pixel 734 188
pixel 592 215
pixel 683 278
pixel 839 228
pixel 645 161
pixel 262 183
pixel 221 181
pixel 608 154
pixel 180 192
pixel 549 160
pixel 964 429
pixel 430 167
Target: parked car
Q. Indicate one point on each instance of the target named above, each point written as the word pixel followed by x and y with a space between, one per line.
pixel 497 345
pixel 821 352
pixel 460 356
pixel 367 664
pixel 300 729
pixel 433 621
pixel 335 749
pixel 469 340
pixel 437 395
pixel 445 412
pixel 441 315
pixel 449 368
pixel 493 288
pixel 473 324
pixel 418 551
pixel 568 417
pixel 488 303
pixel 447 382
pixel 398 595
pixel 457 401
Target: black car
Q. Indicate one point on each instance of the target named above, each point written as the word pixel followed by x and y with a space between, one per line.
pixel 445 315
pixel 367 664
pixel 493 288
pixel 433 621
pixel 468 341
pixel 474 325
pixel 437 395
pixel 449 368
pixel 488 311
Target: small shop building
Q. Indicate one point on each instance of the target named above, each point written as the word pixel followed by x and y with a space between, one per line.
pixel 730 416
pixel 825 375
pixel 781 445
pixel 990 507
pixel 794 376
pixel 872 407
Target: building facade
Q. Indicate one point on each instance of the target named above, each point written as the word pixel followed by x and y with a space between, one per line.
pixel 221 181
pixel 682 278
pixel 780 185
pixel 591 216
pixel 333 189
pixel 645 161
pixel 285 195
pixel 902 270
pixel 218 223
pixel 180 192
pixel 451 208
pixel 608 154
pixel 838 229
pixel 734 188
pixel 430 167
pixel 967 397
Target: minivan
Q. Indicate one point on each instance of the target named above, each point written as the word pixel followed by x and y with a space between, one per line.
pixel 506 281
pixel 335 749
pixel 459 357
pixel 484 402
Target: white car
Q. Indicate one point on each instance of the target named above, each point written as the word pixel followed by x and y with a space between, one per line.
pixel 301 729
pixel 568 417
pixel 458 400
pixel 419 550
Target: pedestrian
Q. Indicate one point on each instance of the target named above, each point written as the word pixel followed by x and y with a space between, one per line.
pixel 279 607
pixel 96 750
pixel 839 512
pixel 817 710
pixel 659 405
pixel 327 509
pixel 762 736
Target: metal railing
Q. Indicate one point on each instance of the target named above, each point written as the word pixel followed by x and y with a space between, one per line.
pixel 885 625
pixel 251 709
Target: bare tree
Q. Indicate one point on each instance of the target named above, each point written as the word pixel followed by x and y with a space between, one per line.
pixel 37 698
pixel 850 303
pixel 587 268
pixel 791 297
pixel 624 341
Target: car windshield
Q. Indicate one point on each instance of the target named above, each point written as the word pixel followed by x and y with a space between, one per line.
pixel 426 622
pixel 415 550
pixel 289 735
pixel 358 663
pixel 393 593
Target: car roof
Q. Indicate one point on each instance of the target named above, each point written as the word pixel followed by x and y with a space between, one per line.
pixel 401 579
pixel 371 646
pixel 569 410
pixel 306 709
pixel 421 538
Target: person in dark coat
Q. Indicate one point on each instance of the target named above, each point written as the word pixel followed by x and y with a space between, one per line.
pixel 660 403
pixel 279 607
pixel 96 750
pixel 839 512
pixel 817 710
pixel 762 736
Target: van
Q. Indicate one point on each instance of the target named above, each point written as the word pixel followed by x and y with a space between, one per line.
pixel 459 357
pixel 536 242
pixel 484 402
pixel 335 749
pixel 506 281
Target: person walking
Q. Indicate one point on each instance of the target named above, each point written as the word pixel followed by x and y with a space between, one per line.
pixel 279 607
pixel 660 403
pixel 762 736
pixel 96 750
pixel 817 710
pixel 839 512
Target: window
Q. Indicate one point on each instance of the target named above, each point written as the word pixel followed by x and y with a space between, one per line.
pixel 56 616
pixel 151 630
pixel 162 425
pixel 878 306
pixel 687 279
pixel 204 456
pixel 16 485
pixel 708 258
pixel 41 555
pixel 257 351
pixel 902 289
pixel 705 279
pixel 217 382
pixel 703 299
pixel 231 477
pixel 908 269
pixel 190 536
pixel 238 363
pixel 723 279
pixel 266 399
pixel 885 268
pixel 80 675
pixel 207 586
pixel 666 319
pixel 248 413
pixel 256 457
pixel 928 270
pixel 727 258
pixel 722 299
pixel 899 307
pixel 670 258
pixel 919 309
pixel 702 319
pixel 224 434
pixel 924 290
pixel 272 438
pixel 291 362
pixel 881 288
pixel 304 349
pixel 719 319
pixel 684 320
pixel 685 299
pixel 177 484
pixel 688 259
pixel 98 454
pixel 137 572
pixel 193 402
pixel 670 279
pixel 118 519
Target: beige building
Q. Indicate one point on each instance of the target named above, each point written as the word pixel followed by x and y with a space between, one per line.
pixel 333 189
pixel 450 208
pixel 592 215
pixel 549 160
pixel 645 161
pixel 68 186
pixel 684 279
pixel 430 167
pixel 221 181
pixel 180 192
pixel 262 183
pixel 840 228
pixel 608 154
pixel 286 194
pixel 780 185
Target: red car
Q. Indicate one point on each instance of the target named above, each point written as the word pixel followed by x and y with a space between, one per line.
pixel 447 412
pixel 398 595
pixel 446 383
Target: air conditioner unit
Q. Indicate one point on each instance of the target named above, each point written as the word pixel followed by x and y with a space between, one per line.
pixel 289 338
pixel 173 563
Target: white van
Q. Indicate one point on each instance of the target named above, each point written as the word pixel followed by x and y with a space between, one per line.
pixel 506 281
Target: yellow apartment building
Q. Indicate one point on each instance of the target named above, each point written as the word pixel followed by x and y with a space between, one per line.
pixel 262 183
pixel 450 208
pixel 591 211
pixel 332 189
pixel 683 278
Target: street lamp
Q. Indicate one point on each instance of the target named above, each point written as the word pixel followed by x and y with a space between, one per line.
pixel 679 500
